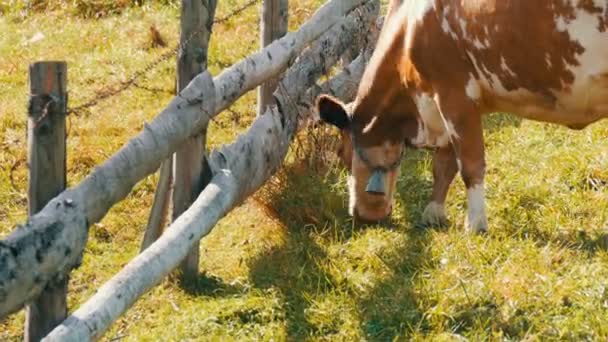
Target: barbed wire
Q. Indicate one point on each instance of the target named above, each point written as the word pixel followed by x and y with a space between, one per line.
pixel 106 93
pixel 235 12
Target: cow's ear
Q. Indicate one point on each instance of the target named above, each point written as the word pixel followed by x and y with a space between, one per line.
pixel 333 111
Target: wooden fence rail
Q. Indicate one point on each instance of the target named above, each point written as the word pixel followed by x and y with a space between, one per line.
pixel 239 169
pixel 50 244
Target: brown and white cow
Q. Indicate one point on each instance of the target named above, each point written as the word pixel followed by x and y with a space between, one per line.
pixel 440 64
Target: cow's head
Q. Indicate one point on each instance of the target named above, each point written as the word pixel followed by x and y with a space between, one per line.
pixel 372 158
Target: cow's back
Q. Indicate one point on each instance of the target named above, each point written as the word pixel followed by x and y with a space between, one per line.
pixel 542 59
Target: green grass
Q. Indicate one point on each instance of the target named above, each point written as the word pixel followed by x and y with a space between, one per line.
pixel 289 265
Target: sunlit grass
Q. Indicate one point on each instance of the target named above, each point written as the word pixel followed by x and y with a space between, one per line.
pixel 289 265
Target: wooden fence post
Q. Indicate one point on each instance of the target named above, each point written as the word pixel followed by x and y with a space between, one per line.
pixel 273 25
pixel 47 178
pixel 160 206
pixel 190 171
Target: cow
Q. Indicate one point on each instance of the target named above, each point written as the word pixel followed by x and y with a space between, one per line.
pixel 439 65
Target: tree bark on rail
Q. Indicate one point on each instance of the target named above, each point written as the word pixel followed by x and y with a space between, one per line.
pixel 229 186
pixel 40 245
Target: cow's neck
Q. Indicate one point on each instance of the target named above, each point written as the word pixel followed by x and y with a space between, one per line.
pixel 382 109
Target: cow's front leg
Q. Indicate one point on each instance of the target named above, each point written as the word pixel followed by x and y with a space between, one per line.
pixel 444 170
pixel 463 122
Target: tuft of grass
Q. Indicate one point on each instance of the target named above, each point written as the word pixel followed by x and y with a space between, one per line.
pixel 288 264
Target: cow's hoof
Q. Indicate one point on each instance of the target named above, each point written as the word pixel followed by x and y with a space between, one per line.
pixel 479 225
pixel 434 216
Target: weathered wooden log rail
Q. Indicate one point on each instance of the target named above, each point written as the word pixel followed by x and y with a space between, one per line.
pixel 51 243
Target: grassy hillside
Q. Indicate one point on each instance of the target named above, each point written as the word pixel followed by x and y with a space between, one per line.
pixel 289 265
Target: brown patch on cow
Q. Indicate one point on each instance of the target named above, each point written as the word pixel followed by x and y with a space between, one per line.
pixel 450 53
pixel 543 55
pixel 379 107
pixel 383 91
pixel 345 149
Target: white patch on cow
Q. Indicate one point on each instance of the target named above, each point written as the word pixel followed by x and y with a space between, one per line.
pixel 445 24
pixel 588 93
pixel 420 138
pixel 548 59
pixel 370 125
pixel 449 127
pixel 472 89
pixel 463 26
pixel 433 130
pixel 505 67
pixel 416 10
pixel 410 12
pixel 478 45
pixel 352 199
pixel 476 212
pixel 560 23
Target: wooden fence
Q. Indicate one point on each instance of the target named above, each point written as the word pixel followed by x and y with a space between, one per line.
pixel 51 243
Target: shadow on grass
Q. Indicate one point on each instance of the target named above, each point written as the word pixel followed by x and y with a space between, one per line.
pixel 294 270
pixel 314 211
pixel 300 202
pixel 391 309
pixel 209 286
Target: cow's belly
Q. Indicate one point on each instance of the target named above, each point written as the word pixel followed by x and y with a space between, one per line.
pixel 585 103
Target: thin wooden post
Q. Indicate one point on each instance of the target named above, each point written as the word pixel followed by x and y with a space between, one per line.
pixel 190 172
pixel 273 26
pixel 160 206
pixel 47 178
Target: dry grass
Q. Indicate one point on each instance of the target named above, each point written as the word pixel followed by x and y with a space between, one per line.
pixel 289 265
